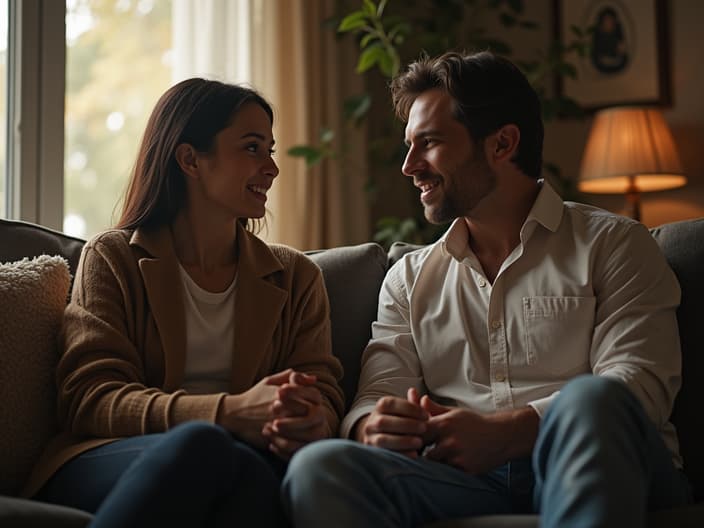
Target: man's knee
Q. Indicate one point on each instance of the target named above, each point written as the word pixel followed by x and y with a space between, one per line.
pixel 320 457
pixel 586 394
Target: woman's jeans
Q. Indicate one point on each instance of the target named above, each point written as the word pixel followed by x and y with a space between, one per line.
pixel 196 474
pixel 598 461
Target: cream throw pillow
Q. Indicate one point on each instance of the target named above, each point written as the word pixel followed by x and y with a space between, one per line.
pixel 33 295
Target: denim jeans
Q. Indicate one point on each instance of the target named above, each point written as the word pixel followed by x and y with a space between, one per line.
pixel 196 474
pixel 598 461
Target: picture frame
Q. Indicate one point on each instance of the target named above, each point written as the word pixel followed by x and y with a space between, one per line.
pixel 628 61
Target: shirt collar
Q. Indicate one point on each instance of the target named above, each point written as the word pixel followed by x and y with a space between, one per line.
pixel 547 211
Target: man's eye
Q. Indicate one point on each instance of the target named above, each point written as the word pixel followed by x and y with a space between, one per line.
pixel 272 151
pixel 252 147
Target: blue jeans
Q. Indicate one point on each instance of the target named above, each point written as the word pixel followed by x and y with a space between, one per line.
pixel 196 474
pixel 598 461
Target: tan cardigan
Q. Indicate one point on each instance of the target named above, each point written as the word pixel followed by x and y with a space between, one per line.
pixel 124 339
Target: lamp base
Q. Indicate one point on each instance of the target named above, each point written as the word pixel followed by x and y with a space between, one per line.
pixel 633 204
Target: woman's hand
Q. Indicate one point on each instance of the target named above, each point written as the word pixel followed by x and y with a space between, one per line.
pixel 246 414
pixel 299 417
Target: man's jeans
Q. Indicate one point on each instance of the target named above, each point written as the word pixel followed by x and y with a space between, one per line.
pixel 598 461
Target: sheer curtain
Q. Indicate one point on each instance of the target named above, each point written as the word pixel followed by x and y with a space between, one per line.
pixel 281 48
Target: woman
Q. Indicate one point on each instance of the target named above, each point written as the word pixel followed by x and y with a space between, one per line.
pixel 196 358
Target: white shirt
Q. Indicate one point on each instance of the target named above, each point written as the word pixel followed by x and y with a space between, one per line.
pixel 210 337
pixel 585 291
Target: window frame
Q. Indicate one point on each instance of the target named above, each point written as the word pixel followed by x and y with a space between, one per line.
pixel 35 111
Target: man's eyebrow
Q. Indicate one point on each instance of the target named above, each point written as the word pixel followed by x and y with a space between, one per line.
pixel 424 134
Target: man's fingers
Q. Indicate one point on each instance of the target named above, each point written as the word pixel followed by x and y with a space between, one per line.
pixel 385 423
pixel 432 408
pixel 400 407
pixel 401 443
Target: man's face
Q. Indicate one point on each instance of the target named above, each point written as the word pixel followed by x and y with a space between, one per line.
pixel 446 165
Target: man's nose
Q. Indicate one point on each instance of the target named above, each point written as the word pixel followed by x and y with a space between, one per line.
pixel 414 163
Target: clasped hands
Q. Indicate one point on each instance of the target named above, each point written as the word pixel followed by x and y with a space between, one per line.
pixel 282 413
pixel 414 426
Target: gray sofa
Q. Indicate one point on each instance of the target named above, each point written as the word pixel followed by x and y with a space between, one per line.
pixel 353 276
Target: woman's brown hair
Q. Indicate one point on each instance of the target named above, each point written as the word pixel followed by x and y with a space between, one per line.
pixel 192 111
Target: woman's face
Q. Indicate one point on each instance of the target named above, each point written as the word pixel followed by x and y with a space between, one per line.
pixel 237 174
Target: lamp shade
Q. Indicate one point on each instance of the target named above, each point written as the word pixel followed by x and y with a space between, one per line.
pixel 630 149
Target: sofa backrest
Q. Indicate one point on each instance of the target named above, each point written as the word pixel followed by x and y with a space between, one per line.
pixel 683 246
pixel 23 239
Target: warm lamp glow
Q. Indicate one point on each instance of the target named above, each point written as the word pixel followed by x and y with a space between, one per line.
pixel 630 150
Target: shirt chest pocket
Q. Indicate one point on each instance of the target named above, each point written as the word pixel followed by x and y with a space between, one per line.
pixel 558 332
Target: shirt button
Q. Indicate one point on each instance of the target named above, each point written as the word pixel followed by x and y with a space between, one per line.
pixel 482 283
pixel 499 377
pixel 496 324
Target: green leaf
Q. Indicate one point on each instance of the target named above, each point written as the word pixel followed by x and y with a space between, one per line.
pixel 386 64
pixel 312 155
pixel 326 135
pixel 369 57
pixel 366 39
pixel 352 22
pixel 356 107
pixel 576 30
pixel 369 8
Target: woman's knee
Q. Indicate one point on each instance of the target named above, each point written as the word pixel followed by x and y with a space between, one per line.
pixel 197 441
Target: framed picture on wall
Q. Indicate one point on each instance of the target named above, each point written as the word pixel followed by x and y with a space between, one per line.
pixel 628 60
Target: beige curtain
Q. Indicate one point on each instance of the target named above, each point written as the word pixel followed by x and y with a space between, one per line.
pixel 306 72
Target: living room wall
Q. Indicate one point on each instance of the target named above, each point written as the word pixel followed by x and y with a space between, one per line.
pixel 565 139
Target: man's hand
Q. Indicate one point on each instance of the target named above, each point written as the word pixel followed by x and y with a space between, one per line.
pixel 395 424
pixel 474 442
pixel 298 416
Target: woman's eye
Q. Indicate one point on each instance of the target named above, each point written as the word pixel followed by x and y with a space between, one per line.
pixel 272 151
pixel 252 147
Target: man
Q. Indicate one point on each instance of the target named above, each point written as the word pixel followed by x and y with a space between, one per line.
pixel 534 328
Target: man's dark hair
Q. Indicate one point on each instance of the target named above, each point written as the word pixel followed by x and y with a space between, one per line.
pixel 488 92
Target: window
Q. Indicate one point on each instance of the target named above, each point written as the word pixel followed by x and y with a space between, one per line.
pixel 4 8
pixel 118 62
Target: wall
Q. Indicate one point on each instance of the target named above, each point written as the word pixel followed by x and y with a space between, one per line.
pixel 564 140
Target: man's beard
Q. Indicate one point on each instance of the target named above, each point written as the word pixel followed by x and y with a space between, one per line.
pixel 456 202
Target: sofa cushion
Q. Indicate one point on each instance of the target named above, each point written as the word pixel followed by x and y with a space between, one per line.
pixel 353 276
pixel 683 246
pixel 24 513
pixel 33 296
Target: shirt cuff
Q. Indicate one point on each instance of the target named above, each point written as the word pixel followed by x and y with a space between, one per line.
pixel 357 412
pixel 541 405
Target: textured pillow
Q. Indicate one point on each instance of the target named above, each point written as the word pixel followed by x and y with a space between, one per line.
pixel 33 296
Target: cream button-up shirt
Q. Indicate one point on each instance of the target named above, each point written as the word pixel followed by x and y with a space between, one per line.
pixel 584 292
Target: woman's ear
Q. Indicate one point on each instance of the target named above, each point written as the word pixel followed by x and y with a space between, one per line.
pixel 504 143
pixel 187 159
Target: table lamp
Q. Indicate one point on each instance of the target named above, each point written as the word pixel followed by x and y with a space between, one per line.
pixel 630 150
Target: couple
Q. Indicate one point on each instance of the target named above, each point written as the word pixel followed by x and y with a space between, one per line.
pixel 526 362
